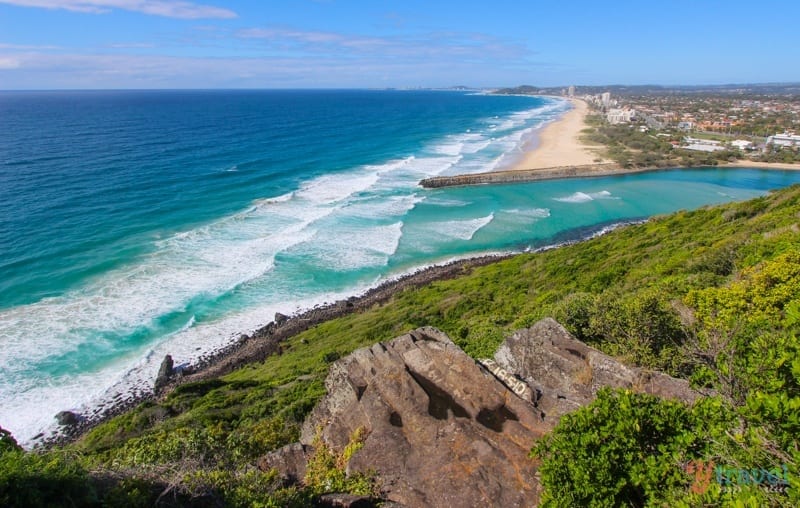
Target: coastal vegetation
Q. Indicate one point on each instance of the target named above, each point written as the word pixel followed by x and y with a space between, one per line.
pixel 709 295
pixel 631 148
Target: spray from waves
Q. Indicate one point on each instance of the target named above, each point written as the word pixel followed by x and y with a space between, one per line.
pixel 582 197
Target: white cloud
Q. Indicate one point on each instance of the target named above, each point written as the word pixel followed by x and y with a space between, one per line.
pixel 42 70
pixel 4 45
pixel 167 8
pixel 431 45
pixel 132 45
pixel 8 63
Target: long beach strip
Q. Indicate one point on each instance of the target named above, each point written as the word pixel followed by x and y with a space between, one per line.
pixel 560 153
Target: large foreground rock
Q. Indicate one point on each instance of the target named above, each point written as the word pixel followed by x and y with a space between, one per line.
pixel 440 429
pixel 565 373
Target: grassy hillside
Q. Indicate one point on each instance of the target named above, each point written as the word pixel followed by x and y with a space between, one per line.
pixel 652 294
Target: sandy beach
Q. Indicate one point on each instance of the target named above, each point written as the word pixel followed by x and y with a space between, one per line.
pixel 559 143
pixel 762 165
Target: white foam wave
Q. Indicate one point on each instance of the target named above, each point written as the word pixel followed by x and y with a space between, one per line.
pixel 334 188
pixel 462 229
pixel 382 207
pixel 353 247
pixel 538 213
pixel 582 197
pixel 446 202
pixel 278 199
pixel 452 147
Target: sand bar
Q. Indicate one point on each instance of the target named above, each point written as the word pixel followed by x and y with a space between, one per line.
pixel 744 163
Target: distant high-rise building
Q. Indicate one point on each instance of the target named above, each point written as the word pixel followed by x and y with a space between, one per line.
pixel 571 91
pixel 606 99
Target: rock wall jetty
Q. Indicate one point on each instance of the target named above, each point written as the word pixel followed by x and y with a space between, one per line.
pixel 527 175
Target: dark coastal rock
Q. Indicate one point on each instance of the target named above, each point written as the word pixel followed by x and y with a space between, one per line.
pixel 67 418
pixel 165 372
pixel 290 462
pixel 280 318
pixel 566 374
pixel 440 430
pixel 346 501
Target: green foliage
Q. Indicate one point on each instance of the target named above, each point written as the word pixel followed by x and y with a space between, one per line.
pixel 131 492
pixel 743 341
pixel 49 479
pixel 7 442
pixel 625 449
pixel 745 336
pixel 640 327
pixel 246 488
pixel 327 470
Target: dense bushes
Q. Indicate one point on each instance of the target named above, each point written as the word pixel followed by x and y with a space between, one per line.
pixel 50 479
pixel 636 450
pixel 626 449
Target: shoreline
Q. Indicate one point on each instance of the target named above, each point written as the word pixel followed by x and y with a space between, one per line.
pixel 558 153
pixel 558 143
pixel 267 340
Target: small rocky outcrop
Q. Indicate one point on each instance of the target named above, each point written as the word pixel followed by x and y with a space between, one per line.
pixel 165 372
pixel 290 462
pixel 440 429
pixel 566 374
pixel 67 418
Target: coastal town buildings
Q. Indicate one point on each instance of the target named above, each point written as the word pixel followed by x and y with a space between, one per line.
pixel 702 145
pixel 624 115
pixel 784 140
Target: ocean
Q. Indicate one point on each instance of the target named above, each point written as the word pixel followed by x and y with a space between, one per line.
pixel 139 223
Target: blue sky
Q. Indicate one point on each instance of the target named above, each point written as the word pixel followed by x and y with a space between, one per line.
pixel 54 44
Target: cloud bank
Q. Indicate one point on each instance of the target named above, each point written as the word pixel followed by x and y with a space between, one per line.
pixel 170 9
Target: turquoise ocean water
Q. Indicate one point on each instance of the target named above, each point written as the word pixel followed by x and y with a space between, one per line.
pixel 139 223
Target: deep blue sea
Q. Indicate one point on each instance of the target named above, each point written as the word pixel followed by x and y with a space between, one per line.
pixel 139 223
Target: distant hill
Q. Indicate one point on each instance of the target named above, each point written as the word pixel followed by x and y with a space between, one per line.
pixel 767 89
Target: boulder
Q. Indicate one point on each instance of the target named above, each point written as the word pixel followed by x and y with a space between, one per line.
pixel 165 372
pixel 67 418
pixel 439 429
pixel 566 374
pixel 347 501
pixel 290 462
pixel 280 318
